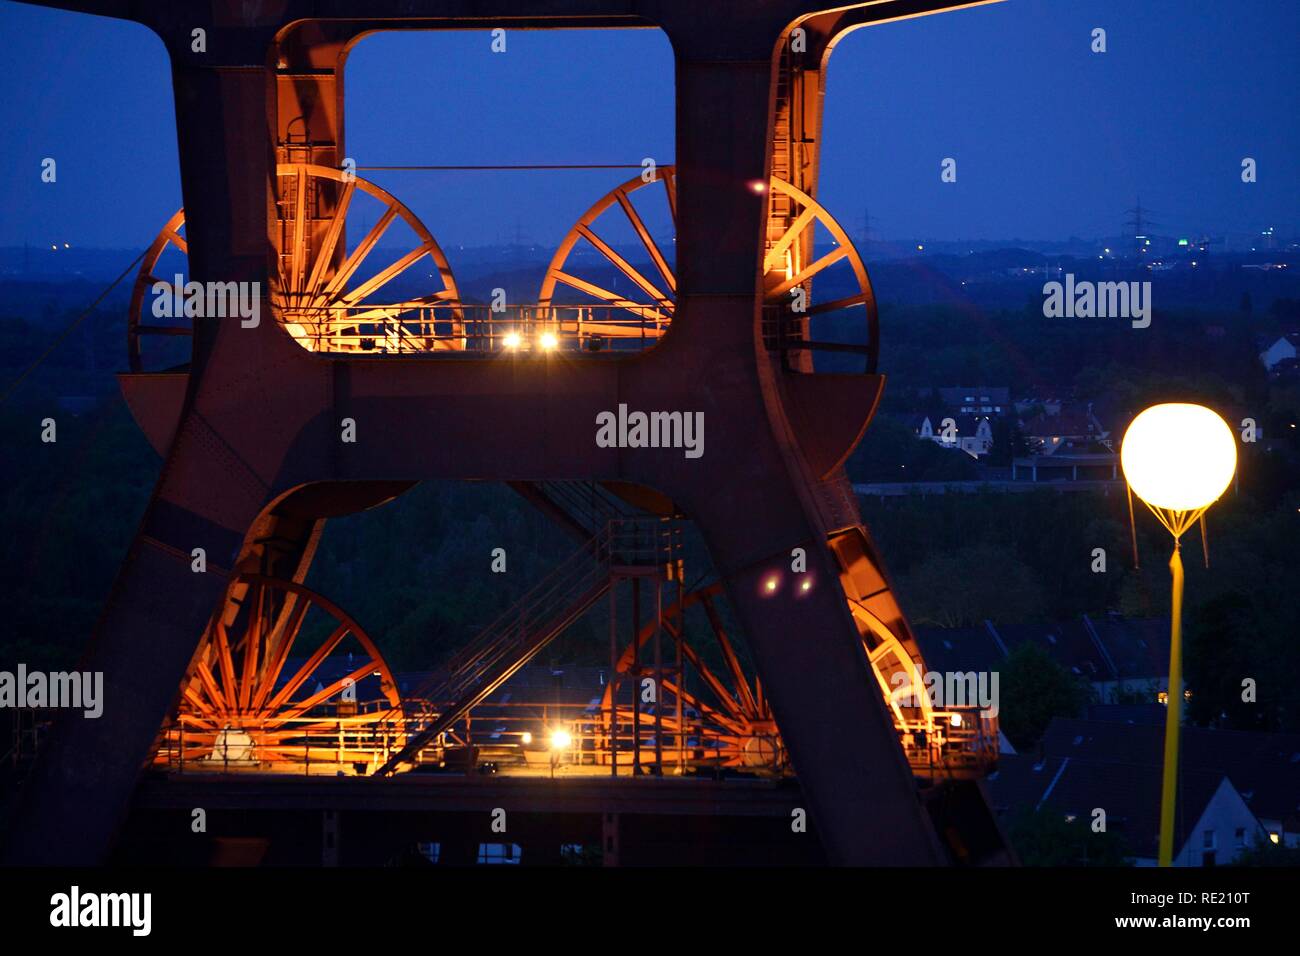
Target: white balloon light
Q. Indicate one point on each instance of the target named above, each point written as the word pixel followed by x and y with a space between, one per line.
pixel 1178 457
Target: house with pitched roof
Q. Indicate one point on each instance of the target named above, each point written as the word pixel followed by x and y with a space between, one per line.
pixel 1235 789
pixel 962 417
pixel 1280 349
pixel 1121 658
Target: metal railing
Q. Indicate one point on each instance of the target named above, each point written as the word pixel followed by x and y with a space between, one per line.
pixel 519 737
pixel 954 740
pixel 421 327
pixel 336 737
pixel 530 737
pixel 417 327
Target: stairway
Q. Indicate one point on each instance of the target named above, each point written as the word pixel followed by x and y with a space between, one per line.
pixel 783 145
pixel 581 507
pixel 476 671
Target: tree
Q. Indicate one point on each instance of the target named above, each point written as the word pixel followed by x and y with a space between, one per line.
pixel 1047 838
pixel 1034 689
pixel 1267 853
pixel 890 452
pixel 1008 442
pixel 1223 649
pixel 960 587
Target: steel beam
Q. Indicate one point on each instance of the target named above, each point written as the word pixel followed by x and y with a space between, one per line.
pixel 262 416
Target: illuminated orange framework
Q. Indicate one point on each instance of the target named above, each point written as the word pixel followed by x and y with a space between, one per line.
pixel 735 317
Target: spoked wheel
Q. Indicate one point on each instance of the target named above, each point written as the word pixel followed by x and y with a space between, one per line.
pixel 328 298
pixel 651 299
pixel 143 327
pixel 648 294
pixel 283 676
pixel 725 722
pixel 334 300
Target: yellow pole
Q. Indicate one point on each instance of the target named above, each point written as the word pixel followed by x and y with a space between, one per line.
pixel 1173 715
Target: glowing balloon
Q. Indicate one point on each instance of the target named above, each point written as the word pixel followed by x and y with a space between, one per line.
pixel 1178 457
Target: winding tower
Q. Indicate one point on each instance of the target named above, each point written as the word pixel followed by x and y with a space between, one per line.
pixel 249 427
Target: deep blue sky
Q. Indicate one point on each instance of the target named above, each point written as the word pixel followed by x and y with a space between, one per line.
pixel 1050 139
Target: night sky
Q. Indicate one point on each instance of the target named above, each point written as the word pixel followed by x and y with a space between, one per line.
pixel 1051 140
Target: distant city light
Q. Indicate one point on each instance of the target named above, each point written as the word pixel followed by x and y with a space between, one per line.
pixel 758 186
pixel 769 585
pixel 807 585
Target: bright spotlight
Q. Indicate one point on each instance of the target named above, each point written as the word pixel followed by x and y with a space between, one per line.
pixel 526 738
pixel 955 720
pixel 561 740
pixel 512 340
pixel 549 341
pixel 1177 456
pixel 758 186
pixel 806 586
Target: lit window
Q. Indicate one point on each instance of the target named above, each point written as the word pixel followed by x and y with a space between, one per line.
pixel 498 853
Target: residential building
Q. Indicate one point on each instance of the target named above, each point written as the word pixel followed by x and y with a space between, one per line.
pixel 1213 825
pixel 1281 348
pixel 1122 659
pixel 1073 427
pixel 1235 787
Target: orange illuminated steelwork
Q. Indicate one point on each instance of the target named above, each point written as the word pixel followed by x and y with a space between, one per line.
pixel 249 424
